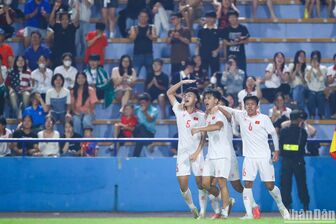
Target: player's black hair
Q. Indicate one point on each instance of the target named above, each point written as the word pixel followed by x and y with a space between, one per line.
pixel 194 91
pixel 213 92
pixel 251 97
pixel 225 101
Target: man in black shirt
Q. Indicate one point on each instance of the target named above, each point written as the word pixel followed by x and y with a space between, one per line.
pixel 156 85
pixel 64 34
pixel 209 44
pixel 235 36
pixel 293 141
pixel 184 74
pixel 143 36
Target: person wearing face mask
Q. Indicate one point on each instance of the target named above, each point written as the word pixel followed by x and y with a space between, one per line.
pixel 99 79
pixel 41 77
pixel 19 84
pixel 68 71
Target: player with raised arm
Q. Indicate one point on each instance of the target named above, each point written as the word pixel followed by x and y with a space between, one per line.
pixel 189 154
pixel 255 128
pixel 218 160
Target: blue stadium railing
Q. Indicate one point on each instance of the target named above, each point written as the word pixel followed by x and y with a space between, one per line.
pixel 117 140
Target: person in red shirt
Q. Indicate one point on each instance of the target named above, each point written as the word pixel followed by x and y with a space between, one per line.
pixel 126 126
pixel 96 43
pixel 6 51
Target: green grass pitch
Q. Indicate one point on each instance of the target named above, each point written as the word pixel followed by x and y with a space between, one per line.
pixel 134 221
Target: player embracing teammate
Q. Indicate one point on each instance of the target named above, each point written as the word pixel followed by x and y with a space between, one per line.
pixel 220 164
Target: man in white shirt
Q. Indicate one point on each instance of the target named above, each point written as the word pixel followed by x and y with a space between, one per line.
pixel 255 128
pixel 189 155
pixel 218 159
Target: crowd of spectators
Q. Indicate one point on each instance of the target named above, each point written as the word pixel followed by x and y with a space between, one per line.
pixel 46 86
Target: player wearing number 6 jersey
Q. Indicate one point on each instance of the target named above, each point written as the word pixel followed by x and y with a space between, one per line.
pixel 255 128
pixel 188 154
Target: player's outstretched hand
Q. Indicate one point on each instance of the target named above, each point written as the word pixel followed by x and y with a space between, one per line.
pixel 275 156
pixel 194 131
pixel 193 157
pixel 188 81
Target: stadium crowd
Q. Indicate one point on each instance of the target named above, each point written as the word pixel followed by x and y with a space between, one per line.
pixel 45 84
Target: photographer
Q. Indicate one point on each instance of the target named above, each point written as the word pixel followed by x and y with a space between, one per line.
pixel 292 143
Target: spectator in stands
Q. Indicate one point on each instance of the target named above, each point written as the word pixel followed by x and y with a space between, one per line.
pixel 309 5
pixel 331 88
pixel 161 10
pixel 223 7
pixel 83 100
pixel 37 111
pixel 233 78
pixel 89 149
pixel 41 77
pixel 99 79
pixel 109 11
pixel 209 43
pixel 7 15
pixel 251 87
pixel 68 71
pixel 279 112
pixel 3 90
pixel 6 51
pixel 235 37
pixel 124 78
pixel 127 124
pixel 70 148
pixel 147 115
pixel 269 6
pixel 179 38
pixel 200 74
pixel 4 133
pixel 143 36
pixel 48 148
pixel 58 99
pixel 276 78
pixel 185 73
pixel 315 77
pixel 19 84
pixel 297 73
pixel 191 10
pixel 156 85
pixel 37 17
pixel 84 22
pixel 132 10
pixel 173 147
pixel 96 43
pixel 64 34
pixel 25 131
pixel 35 50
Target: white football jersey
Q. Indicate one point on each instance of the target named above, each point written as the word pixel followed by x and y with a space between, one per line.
pixel 254 132
pixel 187 142
pixel 220 144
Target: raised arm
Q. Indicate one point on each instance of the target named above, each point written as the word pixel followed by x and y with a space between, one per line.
pixel 171 93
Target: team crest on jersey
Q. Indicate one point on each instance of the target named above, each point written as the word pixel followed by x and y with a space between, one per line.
pixel 195 118
pixel 213 117
pixel 257 122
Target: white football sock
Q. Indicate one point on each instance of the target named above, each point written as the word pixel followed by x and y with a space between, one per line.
pixel 202 197
pixel 225 212
pixel 247 198
pixel 253 203
pixel 214 203
pixel 276 195
pixel 188 199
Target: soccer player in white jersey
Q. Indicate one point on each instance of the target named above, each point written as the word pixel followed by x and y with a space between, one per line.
pixel 218 159
pixel 234 170
pixel 189 154
pixel 255 128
